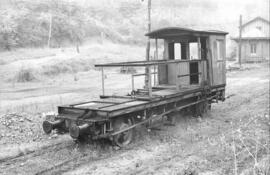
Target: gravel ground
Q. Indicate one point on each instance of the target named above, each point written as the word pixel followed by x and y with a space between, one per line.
pixel 233 137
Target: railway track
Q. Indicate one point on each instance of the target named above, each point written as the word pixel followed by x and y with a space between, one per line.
pixel 81 160
pixel 65 165
pixel 21 160
pixel 57 158
pixel 9 160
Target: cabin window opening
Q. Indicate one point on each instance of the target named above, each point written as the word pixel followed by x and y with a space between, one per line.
pixel 219 44
pixel 193 50
pixel 253 48
pixel 194 73
pixel 171 51
pixel 177 51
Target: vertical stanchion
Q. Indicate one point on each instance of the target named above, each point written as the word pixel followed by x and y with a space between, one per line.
pixel 199 48
pixel 201 68
pixel 148 41
pixel 155 67
pixel 102 76
pixel 132 82
pixel 149 81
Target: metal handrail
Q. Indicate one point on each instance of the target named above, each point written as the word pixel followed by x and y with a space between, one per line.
pixel 137 75
pixel 185 75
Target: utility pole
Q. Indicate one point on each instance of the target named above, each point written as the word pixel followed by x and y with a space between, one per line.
pixel 147 69
pixel 240 41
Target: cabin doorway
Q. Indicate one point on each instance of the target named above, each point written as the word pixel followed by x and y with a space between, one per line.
pixel 183 51
pixel 218 60
pixel 194 73
pixel 174 54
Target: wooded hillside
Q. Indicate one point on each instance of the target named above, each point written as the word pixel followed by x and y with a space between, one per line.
pixel 58 23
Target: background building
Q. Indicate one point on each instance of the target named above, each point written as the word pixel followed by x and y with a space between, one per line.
pixel 255 40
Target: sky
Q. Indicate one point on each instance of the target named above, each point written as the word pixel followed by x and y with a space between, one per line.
pixel 206 14
pixel 220 14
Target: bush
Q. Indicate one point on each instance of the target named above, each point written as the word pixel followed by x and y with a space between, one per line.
pixel 25 75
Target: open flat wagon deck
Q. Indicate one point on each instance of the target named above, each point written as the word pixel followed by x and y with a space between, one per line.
pixel 185 81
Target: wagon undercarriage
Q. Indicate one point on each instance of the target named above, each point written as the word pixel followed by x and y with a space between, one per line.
pixel 115 117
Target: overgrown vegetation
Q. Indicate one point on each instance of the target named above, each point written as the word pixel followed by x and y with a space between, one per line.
pixel 57 23
pixel 25 75
pixel 60 23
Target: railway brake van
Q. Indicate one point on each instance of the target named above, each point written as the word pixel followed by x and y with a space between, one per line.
pixel 190 75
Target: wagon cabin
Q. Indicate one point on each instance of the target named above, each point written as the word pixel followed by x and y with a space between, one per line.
pixel 189 76
pixel 197 58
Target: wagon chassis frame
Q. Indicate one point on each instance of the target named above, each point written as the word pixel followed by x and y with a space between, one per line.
pixel 177 109
pixel 108 132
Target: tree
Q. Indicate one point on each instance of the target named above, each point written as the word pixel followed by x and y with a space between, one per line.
pixel 8 29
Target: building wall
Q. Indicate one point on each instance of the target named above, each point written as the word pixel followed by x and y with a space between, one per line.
pixel 262 50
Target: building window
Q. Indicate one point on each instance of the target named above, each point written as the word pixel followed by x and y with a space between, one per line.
pixel 259 27
pixel 253 48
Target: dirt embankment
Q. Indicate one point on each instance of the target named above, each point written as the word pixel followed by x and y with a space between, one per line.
pixel 233 137
pixel 40 64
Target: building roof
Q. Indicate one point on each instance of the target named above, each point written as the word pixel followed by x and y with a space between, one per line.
pixel 255 19
pixel 254 33
pixel 179 31
pixel 251 38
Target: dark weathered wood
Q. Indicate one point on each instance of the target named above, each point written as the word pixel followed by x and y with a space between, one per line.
pixel 94 105
pixel 115 100
pixel 94 119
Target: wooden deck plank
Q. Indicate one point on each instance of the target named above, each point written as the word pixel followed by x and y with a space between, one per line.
pixel 171 91
pixel 102 103
pixel 165 92
pixel 114 104
pixel 114 100
pixel 165 86
pixel 124 105
pixel 93 105
pixel 129 105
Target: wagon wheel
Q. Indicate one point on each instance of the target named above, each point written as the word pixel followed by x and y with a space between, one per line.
pixel 171 118
pixel 207 107
pixel 124 138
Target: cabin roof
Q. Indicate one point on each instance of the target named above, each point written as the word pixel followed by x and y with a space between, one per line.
pixel 169 32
